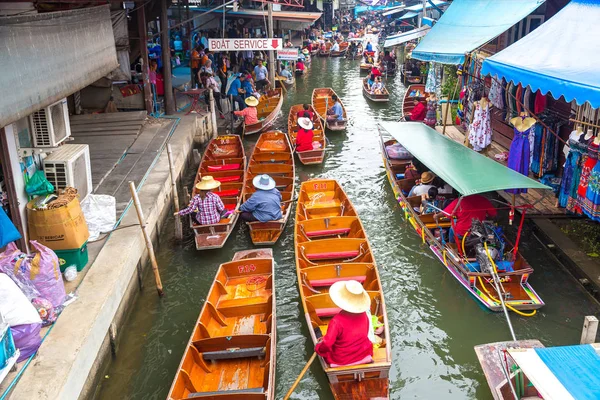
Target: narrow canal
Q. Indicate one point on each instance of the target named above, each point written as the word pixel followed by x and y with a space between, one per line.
pixel 434 322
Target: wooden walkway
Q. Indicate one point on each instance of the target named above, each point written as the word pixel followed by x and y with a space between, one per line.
pixel 543 201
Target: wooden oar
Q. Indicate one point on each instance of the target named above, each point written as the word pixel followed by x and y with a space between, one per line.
pixel 310 361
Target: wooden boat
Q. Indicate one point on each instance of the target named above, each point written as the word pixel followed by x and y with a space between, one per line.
pixel 224 159
pixel 314 52
pixel 413 92
pixel 408 79
pixel 268 107
pixel 311 156
pixel 300 72
pixel 273 156
pixel 231 352
pixel 365 68
pixel 510 269
pixel 281 80
pixel 331 245
pixel 342 51
pixel 377 98
pixel 321 102
pixel 327 51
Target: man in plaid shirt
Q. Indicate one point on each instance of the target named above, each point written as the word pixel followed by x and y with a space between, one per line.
pixel 207 205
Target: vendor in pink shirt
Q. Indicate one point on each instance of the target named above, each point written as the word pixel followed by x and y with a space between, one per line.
pixel 249 113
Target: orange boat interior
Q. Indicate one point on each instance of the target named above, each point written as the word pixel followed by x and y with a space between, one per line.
pixel 322 101
pixel 267 104
pixel 308 157
pixel 231 354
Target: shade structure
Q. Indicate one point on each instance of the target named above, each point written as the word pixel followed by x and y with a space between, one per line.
pixel 468 24
pixel 462 168
pixel 562 373
pixel 566 57
pixel 406 36
pixel 419 7
pixel 408 15
pixel 393 10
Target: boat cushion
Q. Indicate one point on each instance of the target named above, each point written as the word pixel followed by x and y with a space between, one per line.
pixel 230 207
pixel 228 193
pixel 224 167
pixel 328 232
pixel 365 360
pixel 234 178
pixel 332 255
pixel 225 392
pixel 328 312
pixel 234 353
pixel 331 281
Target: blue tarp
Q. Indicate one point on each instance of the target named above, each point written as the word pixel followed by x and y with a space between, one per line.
pixel 469 24
pixel 576 367
pixel 561 57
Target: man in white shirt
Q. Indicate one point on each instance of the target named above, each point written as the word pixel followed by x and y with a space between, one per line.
pixel 261 73
pixel 336 46
pixel 423 188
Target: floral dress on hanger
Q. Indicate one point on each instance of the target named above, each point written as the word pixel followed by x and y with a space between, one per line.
pixel 586 171
pixel 431 116
pixel 480 130
pixel 591 203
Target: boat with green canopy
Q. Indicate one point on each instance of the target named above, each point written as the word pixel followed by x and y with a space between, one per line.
pixel 484 261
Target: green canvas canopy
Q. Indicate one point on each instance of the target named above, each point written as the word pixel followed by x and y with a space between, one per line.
pixel 462 168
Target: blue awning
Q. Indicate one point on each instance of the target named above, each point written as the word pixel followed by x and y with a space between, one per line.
pixel 396 40
pixel 410 14
pixel 565 59
pixel 469 24
pixel 419 7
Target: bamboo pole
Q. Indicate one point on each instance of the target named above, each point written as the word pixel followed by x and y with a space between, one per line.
pixel 310 361
pixel 140 214
pixel 178 224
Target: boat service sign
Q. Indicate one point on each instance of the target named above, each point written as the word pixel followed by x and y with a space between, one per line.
pixel 290 54
pixel 242 44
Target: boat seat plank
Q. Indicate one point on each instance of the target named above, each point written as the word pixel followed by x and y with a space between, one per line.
pixel 328 232
pixel 234 353
pixel 245 301
pixel 327 312
pixel 228 342
pixel 331 281
pixel 229 394
pixel 333 255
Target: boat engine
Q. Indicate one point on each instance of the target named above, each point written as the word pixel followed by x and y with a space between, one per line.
pixel 485 232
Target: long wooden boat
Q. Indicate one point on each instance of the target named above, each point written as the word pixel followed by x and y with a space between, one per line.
pixel 224 159
pixel 327 51
pixel 308 157
pixel 408 79
pixel 273 156
pixel 314 52
pixel 288 83
pixel 321 102
pixel 268 107
pixel 377 98
pixel 413 92
pixel 300 72
pixel 365 68
pixel 331 245
pixel 231 352
pixel 342 51
pixel 513 271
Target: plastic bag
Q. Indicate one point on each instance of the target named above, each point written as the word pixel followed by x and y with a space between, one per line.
pixel 8 231
pixel 397 152
pixel 27 339
pixel 100 214
pixel 8 261
pixel 38 185
pixel 43 270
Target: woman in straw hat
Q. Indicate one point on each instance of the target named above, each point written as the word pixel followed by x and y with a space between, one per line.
pixel 250 114
pixel 207 205
pixel 304 138
pixel 423 187
pixel 349 339
pixel 265 204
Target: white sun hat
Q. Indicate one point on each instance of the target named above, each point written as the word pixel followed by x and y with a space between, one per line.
pixel 350 296
pixel 305 123
pixel 263 182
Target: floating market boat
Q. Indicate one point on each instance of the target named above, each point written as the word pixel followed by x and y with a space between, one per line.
pixel 377 98
pixel 365 68
pixel 288 83
pixel 300 72
pixel 231 352
pixel 486 256
pixel 407 78
pixel 273 156
pixel 321 102
pixel 342 51
pixel 331 246
pixel 308 157
pixel 224 159
pixel 267 109
pixel 413 92
pixel 326 52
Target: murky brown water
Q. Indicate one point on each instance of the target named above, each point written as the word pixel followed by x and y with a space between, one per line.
pixel 435 323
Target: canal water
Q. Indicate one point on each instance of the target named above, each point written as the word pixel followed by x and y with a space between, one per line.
pixel 434 322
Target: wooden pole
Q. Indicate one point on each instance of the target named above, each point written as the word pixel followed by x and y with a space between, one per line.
pixel 310 361
pixel 143 34
pixel 271 52
pixel 590 329
pixel 178 224
pixel 140 214
pixel 213 113
pixel 448 107
pixel 166 59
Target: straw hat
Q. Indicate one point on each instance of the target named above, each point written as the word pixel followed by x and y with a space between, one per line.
pixel 350 296
pixel 427 177
pixel 263 182
pixel 251 101
pixel 305 51
pixel 305 123
pixel 207 183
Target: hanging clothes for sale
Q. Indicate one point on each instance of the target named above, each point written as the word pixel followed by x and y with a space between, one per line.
pixel 434 83
pixel 572 169
pixel 573 202
pixel 519 153
pixel 496 94
pixel 480 130
pixel 589 184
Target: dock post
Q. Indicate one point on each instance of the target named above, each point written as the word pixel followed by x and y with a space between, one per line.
pixel 590 329
pixel 213 114
pixel 178 224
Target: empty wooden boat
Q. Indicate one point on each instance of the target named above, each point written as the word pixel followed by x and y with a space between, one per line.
pixel 468 261
pixel 377 98
pixel 342 51
pixel 268 107
pixel 321 102
pixel 316 155
pixel 225 161
pixel 325 52
pixel 413 92
pixel 231 352
pixel 331 246
pixel 273 156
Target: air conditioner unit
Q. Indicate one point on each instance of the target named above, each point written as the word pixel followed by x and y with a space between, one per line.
pixel 70 166
pixel 50 126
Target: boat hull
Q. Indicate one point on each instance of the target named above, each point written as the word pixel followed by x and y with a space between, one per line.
pixel 268 108
pixel 310 157
pixel 321 102
pixel 376 98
